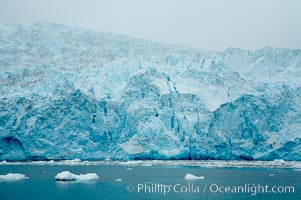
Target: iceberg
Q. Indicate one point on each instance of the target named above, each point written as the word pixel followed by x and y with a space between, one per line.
pixel 12 177
pixel 68 176
pixel 70 93
pixel 193 177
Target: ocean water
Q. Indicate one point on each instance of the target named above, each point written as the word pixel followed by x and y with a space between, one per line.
pixel 152 182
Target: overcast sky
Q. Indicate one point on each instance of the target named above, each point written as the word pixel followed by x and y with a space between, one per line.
pixel 204 24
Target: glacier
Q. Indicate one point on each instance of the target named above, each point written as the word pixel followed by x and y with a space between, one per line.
pixel 71 93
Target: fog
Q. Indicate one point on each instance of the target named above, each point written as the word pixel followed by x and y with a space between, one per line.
pixel 204 24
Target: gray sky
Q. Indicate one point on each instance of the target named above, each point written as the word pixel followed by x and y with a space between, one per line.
pixel 204 24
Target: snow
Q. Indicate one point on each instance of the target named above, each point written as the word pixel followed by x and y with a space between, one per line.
pixel 90 95
pixel 68 176
pixel 193 177
pixel 12 177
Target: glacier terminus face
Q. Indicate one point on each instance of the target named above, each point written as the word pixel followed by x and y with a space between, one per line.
pixel 69 93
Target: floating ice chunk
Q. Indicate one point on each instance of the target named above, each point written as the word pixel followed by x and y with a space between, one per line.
pixel 271 174
pixel 73 162
pixel 280 161
pixel 193 177
pixel 118 180
pixel 51 162
pixel 65 176
pixel 4 162
pixel 68 176
pixel 87 177
pixel 12 177
pixel 147 165
pixel 297 165
pixel 129 168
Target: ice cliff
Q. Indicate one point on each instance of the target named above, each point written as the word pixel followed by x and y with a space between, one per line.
pixel 70 93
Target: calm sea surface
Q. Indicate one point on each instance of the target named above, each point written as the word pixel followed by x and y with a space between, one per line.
pixel 152 182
